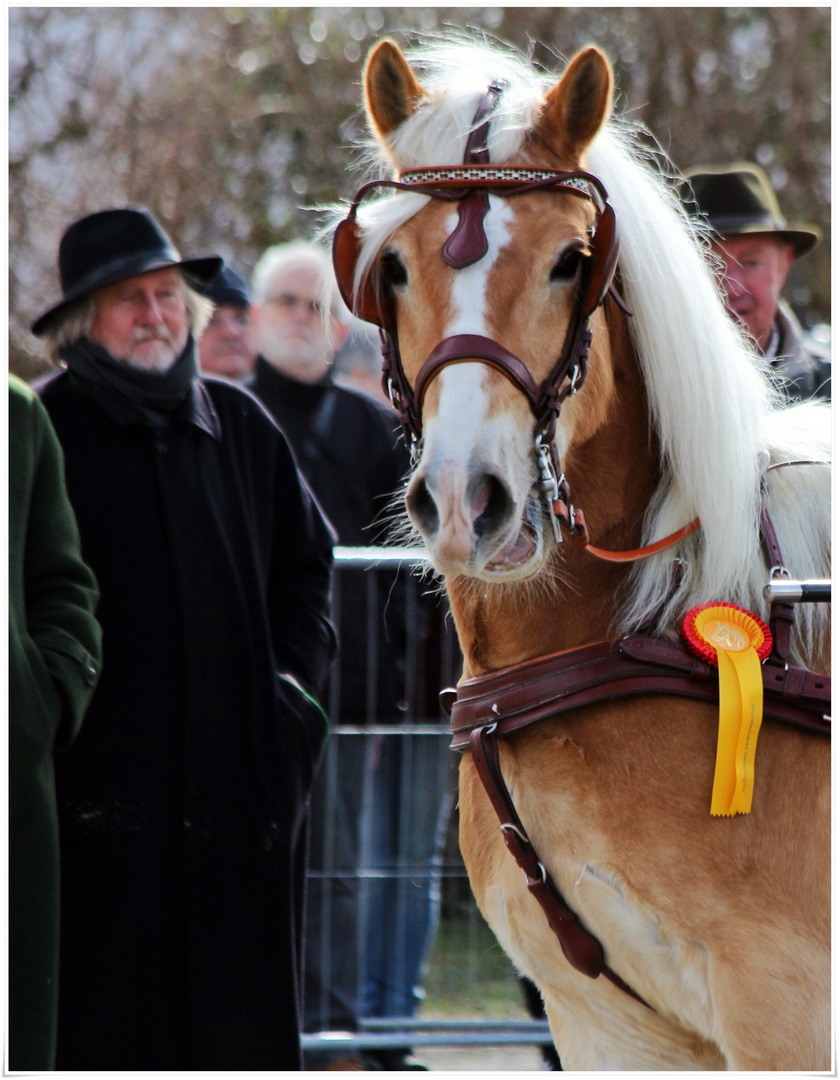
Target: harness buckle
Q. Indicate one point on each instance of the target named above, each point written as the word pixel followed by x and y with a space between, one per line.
pixel 549 485
pixel 508 826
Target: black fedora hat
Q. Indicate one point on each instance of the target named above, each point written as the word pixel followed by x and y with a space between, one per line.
pixel 112 245
pixel 739 199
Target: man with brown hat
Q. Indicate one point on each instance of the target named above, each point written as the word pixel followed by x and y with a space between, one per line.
pixel 182 804
pixel 758 246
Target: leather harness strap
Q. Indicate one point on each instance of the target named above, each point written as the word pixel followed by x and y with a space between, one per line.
pixel 583 951
pixel 468 241
pixel 463 347
pixel 781 613
pixel 508 700
pixel 515 697
pixel 574 520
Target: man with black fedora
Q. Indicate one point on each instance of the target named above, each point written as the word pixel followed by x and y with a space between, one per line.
pixel 226 346
pixel 181 805
pixel 758 246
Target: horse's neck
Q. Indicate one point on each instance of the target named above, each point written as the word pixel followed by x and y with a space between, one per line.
pixel 612 477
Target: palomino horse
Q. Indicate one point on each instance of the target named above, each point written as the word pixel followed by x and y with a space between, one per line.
pixel 488 255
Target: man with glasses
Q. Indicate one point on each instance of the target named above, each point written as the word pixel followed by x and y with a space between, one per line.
pixel 344 441
pixel 350 452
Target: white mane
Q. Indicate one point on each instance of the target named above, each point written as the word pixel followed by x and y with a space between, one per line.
pixel 712 405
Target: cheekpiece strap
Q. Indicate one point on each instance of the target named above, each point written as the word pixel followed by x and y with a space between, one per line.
pixel 782 615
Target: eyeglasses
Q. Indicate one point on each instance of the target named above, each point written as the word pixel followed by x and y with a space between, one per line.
pixel 288 302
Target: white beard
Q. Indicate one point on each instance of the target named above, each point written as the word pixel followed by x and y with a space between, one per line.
pixel 158 355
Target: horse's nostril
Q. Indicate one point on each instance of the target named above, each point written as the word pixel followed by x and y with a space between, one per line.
pixel 422 508
pixel 493 501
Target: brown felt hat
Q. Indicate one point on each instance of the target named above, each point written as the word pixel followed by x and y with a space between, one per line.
pixel 739 199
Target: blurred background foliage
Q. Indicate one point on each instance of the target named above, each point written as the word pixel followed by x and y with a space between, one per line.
pixel 232 123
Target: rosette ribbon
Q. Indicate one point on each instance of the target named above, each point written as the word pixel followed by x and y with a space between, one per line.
pixel 736 641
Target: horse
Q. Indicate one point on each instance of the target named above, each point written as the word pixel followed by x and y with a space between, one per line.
pixel 493 245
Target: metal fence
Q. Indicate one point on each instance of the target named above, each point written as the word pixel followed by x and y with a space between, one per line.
pixel 384 874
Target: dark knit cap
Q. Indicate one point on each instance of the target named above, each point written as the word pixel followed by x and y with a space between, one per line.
pixel 227 287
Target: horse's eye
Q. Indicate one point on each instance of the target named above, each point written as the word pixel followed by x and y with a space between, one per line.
pixel 567 265
pixel 392 270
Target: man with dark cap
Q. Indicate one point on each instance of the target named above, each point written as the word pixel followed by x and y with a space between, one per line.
pixel 226 346
pixel 758 247
pixel 181 803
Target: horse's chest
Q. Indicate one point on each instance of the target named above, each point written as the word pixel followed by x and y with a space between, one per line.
pixel 639 942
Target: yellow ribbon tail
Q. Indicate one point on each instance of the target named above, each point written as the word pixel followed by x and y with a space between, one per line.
pixel 752 701
pixel 729 726
pixel 741 708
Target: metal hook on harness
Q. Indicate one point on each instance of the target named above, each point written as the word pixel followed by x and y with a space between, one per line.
pixel 549 485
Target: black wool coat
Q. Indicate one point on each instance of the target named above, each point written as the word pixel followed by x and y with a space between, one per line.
pixel 182 801
pixel 348 446
pixel 355 461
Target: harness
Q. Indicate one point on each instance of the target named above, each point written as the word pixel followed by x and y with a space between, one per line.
pixel 486 708
pixel 491 706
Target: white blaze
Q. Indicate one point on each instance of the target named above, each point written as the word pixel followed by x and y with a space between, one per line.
pixel 463 444
pixel 463 401
pixel 469 294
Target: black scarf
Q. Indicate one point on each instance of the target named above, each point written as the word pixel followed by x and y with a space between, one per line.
pixel 152 396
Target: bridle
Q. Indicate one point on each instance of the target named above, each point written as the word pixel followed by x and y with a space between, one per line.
pixel 469 185
pixel 374 302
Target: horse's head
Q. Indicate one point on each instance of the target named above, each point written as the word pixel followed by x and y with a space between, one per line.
pixel 485 289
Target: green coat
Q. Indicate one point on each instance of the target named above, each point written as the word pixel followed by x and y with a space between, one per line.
pixel 54 658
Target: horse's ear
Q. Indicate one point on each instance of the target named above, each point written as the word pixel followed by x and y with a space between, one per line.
pixel 391 88
pixel 579 104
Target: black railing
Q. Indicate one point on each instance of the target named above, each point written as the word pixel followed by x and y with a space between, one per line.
pixel 384 865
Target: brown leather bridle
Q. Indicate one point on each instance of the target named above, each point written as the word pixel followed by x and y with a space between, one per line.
pixel 469 185
pixel 374 301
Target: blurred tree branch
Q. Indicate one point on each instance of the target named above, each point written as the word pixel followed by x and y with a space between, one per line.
pixel 231 123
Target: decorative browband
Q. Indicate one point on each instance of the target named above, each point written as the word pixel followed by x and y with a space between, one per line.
pixel 491 175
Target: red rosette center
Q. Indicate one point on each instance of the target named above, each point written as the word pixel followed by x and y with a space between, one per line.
pixel 708 627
